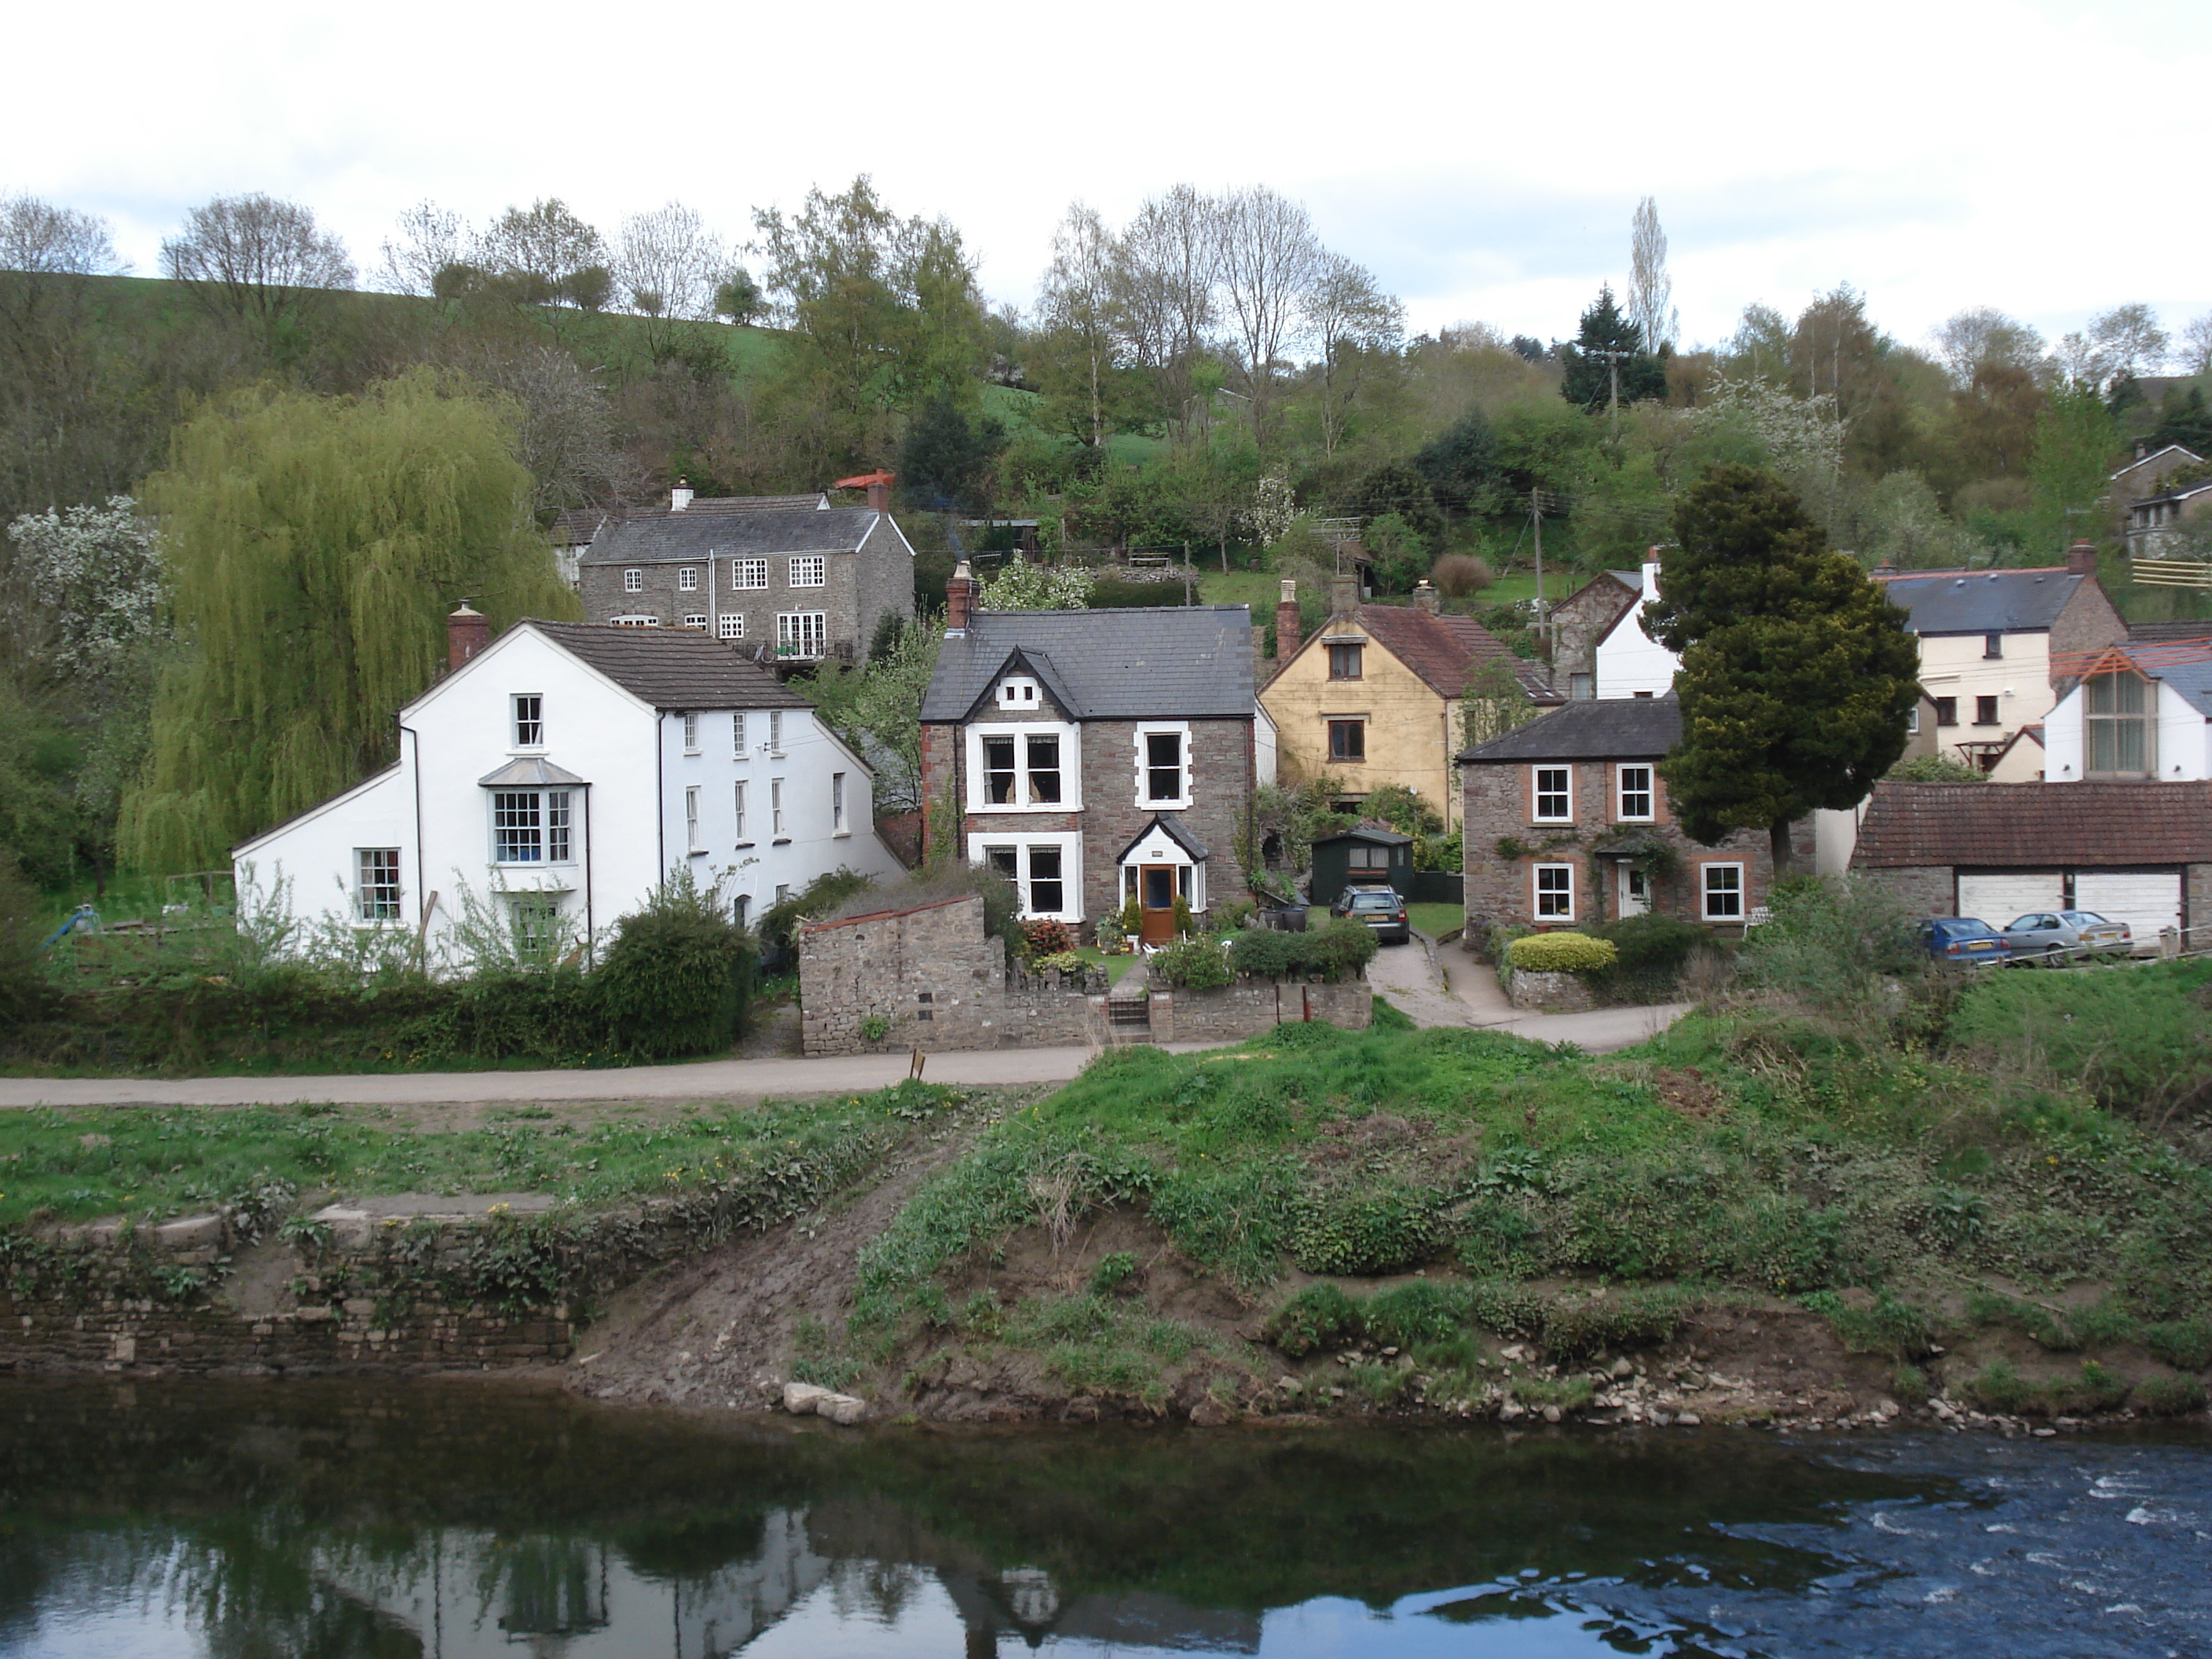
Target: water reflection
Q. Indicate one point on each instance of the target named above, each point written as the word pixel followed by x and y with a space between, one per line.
pixel 352 1522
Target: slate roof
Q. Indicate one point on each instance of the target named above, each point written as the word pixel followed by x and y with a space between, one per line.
pixel 643 539
pixel 2035 825
pixel 672 667
pixel 575 527
pixel 1168 825
pixel 1374 834
pixel 1982 601
pixel 1169 664
pixel 1443 649
pixel 1607 728
pixel 2164 631
pixel 2188 672
pixel 813 500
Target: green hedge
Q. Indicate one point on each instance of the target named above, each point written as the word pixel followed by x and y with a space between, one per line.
pixel 1563 953
pixel 1338 951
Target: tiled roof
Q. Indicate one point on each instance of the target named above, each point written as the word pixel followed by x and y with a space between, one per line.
pixel 1169 664
pixel 1982 601
pixel 672 667
pixel 1443 649
pixel 643 538
pixel 1606 728
pixel 2035 825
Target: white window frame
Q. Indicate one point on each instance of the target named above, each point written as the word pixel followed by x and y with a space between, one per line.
pixel 526 719
pixel 838 826
pixel 743 838
pixel 778 824
pixel 686 580
pixel 555 814
pixel 1649 789
pixel 377 903
pixel 1069 844
pixel 1705 893
pixel 635 621
pixel 1018 691
pixel 730 625
pixel 690 734
pixel 737 750
pixel 1912 721
pixel 1070 770
pixel 1537 791
pixel 775 734
pixel 691 840
pixel 748 575
pixel 632 581
pixel 808 570
pixel 696 619
pixel 796 629
pixel 1537 893
pixel 1151 803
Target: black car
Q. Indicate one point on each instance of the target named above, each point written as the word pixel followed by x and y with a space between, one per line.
pixel 1380 908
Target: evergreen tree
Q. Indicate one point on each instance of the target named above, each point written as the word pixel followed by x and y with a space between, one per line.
pixel 1461 463
pixel 315 546
pixel 1797 672
pixel 2183 421
pixel 945 461
pixel 1589 380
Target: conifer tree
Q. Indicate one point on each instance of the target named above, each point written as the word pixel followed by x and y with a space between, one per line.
pixel 314 547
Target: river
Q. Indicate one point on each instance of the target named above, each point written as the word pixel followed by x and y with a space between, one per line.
pixel 388 1521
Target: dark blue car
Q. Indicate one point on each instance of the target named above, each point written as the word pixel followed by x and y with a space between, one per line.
pixel 1964 942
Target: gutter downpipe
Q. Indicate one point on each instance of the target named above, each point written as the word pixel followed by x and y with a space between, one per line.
pixel 422 906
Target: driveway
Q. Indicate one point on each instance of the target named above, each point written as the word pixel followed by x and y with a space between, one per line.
pixel 1448 986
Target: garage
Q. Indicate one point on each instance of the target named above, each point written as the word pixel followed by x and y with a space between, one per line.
pixel 2147 900
pixel 1997 899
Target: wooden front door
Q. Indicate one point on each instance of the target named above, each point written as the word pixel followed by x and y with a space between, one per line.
pixel 1156 897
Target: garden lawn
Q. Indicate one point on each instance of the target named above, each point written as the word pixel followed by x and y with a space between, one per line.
pixel 1115 966
pixel 1436 920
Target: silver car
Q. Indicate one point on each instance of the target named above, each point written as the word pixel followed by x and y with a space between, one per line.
pixel 2054 935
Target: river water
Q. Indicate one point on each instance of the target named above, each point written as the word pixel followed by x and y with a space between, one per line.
pixel 353 1521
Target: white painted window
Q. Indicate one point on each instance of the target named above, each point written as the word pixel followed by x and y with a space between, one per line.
pixel 529 720
pixel 1023 769
pixel 531 826
pixel 1635 795
pixel 686 580
pixel 1555 892
pixel 739 907
pixel 637 622
pixel 632 581
pixel 690 734
pixel 1555 795
pixel 696 619
pixel 837 825
pixel 1724 891
pixel 738 736
pixel 730 625
pixel 1912 721
pixel 746 574
pixel 801 633
pixel 377 897
pixel 744 837
pixel 775 810
pixel 775 733
pixel 1046 870
pixel 782 891
pixel 536 918
pixel 810 571
pixel 692 819
pixel 1164 767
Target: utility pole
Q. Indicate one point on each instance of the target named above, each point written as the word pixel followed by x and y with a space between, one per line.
pixel 1536 516
pixel 1613 355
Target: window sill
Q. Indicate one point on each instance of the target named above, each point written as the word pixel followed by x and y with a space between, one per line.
pixel 1550 824
pixel 1646 818
pixel 841 834
pixel 780 840
pixel 698 853
pixel 741 846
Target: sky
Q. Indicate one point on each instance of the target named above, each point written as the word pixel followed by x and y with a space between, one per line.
pixel 1483 161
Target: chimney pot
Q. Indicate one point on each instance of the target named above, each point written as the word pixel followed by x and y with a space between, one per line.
pixel 679 499
pixel 1287 621
pixel 959 598
pixel 2081 559
pixel 468 631
pixel 1424 597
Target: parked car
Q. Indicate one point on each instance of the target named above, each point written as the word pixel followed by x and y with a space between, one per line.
pixel 1380 908
pixel 2051 935
pixel 1964 942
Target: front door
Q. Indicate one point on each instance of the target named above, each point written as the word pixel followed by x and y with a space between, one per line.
pixel 1635 891
pixel 1156 897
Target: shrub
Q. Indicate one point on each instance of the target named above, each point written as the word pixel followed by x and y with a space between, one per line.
pixel 1562 953
pixel 1998 1388
pixel 1650 943
pixel 2140 1039
pixel 1047 938
pixel 1378 1229
pixel 1320 1316
pixel 2184 1344
pixel 677 973
pixel 1336 952
pixel 1892 1327
pixel 2170 1396
pixel 1458 574
pixel 1061 962
pixel 1192 964
pixel 1415 1314
pixel 2097 1389
pixel 1112 1271
pixel 779 923
pixel 1832 942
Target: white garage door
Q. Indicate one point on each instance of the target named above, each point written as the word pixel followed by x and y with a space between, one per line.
pixel 2146 899
pixel 1998 899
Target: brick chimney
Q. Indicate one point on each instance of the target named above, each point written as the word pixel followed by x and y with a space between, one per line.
pixel 959 600
pixel 1344 595
pixel 879 492
pixel 468 631
pixel 679 499
pixel 2081 559
pixel 1426 597
pixel 1287 621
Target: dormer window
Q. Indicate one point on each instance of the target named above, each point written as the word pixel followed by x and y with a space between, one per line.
pixel 1017 691
pixel 2116 719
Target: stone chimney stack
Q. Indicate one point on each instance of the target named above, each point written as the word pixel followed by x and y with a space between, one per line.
pixel 959 600
pixel 467 632
pixel 679 499
pixel 1344 595
pixel 1287 621
pixel 1426 597
pixel 2081 559
pixel 879 492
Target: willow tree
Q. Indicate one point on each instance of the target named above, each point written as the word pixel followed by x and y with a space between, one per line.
pixel 315 545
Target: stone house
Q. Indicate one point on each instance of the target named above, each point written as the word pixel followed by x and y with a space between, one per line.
pixel 784 579
pixel 2135 851
pixel 1586 616
pixel 1374 696
pixel 2160 527
pixel 1094 755
pixel 2146 476
pixel 1567 826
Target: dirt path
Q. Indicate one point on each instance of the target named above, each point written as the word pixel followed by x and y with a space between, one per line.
pixel 1446 986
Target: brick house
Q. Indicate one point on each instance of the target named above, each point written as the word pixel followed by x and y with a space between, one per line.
pixel 1567 826
pixel 788 579
pixel 1094 755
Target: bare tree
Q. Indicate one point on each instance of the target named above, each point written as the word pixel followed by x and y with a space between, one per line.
pixel 1164 291
pixel 2117 345
pixel 1269 258
pixel 1650 289
pixel 427 243
pixel 1078 300
pixel 1983 336
pixel 38 237
pixel 564 430
pixel 254 257
pixel 2196 352
pixel 1349 321
pixel 669 263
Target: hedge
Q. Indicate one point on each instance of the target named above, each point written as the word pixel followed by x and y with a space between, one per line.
pixel 1563 953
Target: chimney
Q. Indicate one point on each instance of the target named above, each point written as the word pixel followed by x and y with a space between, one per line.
pixel 2081 559
pixel 1344 595
pixel 959 600
pixel 467 632
pixel 879 492
pixel 679 499
pixel 1424 597
pixel 1287 621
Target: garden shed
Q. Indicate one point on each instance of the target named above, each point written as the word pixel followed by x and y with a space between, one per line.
pixel 1369 854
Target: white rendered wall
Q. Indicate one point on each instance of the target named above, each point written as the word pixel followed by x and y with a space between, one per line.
pixel 1954 666
pixel 1629 661
pixel 2184 739
pixel 313 857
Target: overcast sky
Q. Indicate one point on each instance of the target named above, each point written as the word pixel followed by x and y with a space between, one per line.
pixel 1484 160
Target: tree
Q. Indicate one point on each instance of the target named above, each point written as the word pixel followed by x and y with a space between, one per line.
pixel 945 459
pixel 1589 380
pixel 670 256
pixel 531 252
pixel 1170 264
pixel 2070 460
pixel 2183 420
pixel 1981 339
pixel 426 241
pixel 1352 323
pixel 1396 488
pixel 1798 673
pixel 315 545
pixel 739 298
pixel 1759 348
pixel 38 238
pixel 1076 304
pixel 254 259
pixel 1650 289
pixel 1494 701
pixel 1023 587
pixel 2196 352
pixel 877 710
pixel 1269 259
pixel 1461 464
pixel 563 428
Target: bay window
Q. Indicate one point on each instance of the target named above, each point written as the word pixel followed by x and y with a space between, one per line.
pixel 531 826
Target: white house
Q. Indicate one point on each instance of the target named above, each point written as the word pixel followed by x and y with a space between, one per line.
pixel 2140 710
pixel 558 772
pixel 1627 661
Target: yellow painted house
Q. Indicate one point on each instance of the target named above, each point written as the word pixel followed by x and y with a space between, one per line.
pixel 1374 696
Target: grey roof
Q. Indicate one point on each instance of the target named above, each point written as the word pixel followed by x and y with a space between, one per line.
pixel 813 499
pixel 531 772
pixel 1608 728
pixel 643 538
pixel 575 526
pixel 1173 663
pixel 1369 832
pixel 2186 666
pixel 2200 629
pixel 1172 825
pixel 1982 601
pixel 672 667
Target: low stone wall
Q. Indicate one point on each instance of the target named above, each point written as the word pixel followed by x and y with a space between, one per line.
pixel 1237 1011
pixel 1557 994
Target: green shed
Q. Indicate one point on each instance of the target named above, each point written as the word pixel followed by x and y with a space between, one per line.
pixel 1367 855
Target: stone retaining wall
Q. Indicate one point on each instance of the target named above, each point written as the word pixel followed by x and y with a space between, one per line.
pixel 1557 994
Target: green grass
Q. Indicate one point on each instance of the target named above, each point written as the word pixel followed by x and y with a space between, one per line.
pixel 1436 920
pixel 1115 966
